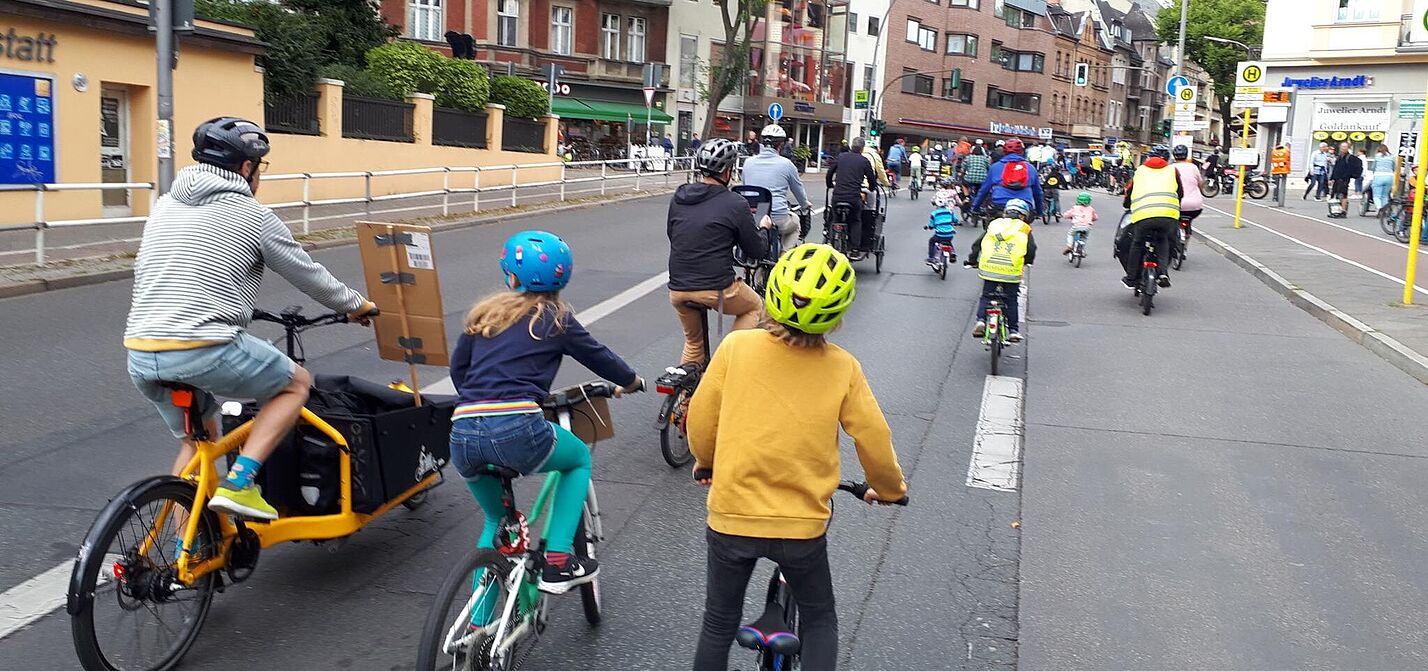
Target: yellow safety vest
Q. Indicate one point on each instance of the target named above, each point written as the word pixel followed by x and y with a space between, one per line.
pixel 1153 194
pixel 1003 250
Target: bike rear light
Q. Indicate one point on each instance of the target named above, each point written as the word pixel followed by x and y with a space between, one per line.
pixel 1151 264
pixel 663 389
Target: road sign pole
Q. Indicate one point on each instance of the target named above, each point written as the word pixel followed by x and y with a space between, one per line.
pixel 1240 185
pixel 1411 274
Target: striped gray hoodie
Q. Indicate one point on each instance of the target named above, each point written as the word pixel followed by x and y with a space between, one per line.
pixel 202 258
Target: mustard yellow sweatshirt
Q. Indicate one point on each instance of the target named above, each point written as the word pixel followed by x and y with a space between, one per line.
pixel 766 418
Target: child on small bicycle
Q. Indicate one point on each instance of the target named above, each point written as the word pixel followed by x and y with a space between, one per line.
pixel 771 474
pixel 1083 217
pixel 943 224
pixel 502 367
pixel 1001 255
pixel 1051 185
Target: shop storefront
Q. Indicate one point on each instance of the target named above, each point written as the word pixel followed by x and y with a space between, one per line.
pixel 1364 105
pixel 608 119
pixel 78 103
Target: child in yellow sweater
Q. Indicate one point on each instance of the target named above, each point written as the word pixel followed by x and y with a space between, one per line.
pixel 764 423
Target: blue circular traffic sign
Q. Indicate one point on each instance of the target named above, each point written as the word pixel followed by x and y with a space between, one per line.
pixel 1174 84
pixel 775 111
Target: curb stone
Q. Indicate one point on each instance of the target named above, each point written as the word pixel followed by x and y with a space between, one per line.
pixel 1381 344
pixel 28 287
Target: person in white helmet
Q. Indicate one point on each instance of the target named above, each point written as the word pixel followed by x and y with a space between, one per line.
pixel 772 171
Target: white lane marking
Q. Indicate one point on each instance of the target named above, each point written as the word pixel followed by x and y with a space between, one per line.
pixel 996 450
pixel 1323 251
pixel 1421 250
pixel 33 599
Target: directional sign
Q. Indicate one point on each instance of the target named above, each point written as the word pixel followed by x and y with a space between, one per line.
pixel 1174 84
pixel 775 111
pixel 1187 95
pixel 1249 77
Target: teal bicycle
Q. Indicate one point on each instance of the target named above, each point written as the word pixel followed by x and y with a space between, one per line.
pixel 489 612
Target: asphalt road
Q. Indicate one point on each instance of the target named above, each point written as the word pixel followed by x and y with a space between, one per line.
pixel 1227 484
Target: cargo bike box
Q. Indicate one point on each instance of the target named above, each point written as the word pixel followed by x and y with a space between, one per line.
pixel 394 444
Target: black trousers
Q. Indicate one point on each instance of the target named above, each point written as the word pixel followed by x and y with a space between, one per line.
pixel 1161 231
pixel 805 566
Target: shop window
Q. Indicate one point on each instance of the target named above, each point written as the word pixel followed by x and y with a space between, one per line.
pixel 961 94
pixel 960 44
pixel 508 16
pixel 425 20
pixel 610 37
pixel 1358 10
pixel 635 42
pixel 561 20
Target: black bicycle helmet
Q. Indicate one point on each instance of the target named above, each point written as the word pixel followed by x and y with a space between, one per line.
pixel 228 141
pixel 1180 152
pixel 1160 150
pixel 716 157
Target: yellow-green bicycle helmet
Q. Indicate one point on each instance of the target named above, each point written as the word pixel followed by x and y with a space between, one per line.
pixel 810 288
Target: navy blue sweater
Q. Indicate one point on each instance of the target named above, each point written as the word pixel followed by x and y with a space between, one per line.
pixel 514 366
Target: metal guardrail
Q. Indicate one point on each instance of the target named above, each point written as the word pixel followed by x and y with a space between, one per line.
pixel 640 170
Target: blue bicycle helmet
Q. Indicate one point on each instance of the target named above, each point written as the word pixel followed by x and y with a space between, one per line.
pixel 541 261
pixel 1017 207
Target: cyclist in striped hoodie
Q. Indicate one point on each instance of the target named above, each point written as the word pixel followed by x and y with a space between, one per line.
pixel 196 282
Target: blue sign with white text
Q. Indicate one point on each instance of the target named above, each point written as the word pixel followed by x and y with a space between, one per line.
pixel 27 143
pixel 775 111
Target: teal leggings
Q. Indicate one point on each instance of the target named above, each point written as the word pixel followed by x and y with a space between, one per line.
pixel 571 459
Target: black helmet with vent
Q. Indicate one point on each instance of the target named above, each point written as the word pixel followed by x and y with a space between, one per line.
pixel 227 142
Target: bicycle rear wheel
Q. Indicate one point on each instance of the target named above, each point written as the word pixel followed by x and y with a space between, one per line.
pixel 673 443
pixel 449 640
pixel 128 612
pixel 1388 219
pixel 590 600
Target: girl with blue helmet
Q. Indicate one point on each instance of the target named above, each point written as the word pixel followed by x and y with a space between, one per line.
pixel 508 354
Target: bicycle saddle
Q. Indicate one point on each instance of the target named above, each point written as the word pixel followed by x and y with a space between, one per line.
pixel 769 632
pixel 696 306
pixel 501 472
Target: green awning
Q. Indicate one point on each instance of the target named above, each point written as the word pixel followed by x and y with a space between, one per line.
pixel 602 110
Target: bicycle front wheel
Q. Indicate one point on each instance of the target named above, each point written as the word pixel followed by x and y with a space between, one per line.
pixel 590 600
pixel 1387 219
pixel 456 634
pixel 129 612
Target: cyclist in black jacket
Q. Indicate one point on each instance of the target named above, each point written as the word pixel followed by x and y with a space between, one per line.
pixel 706 222
pixel 846 179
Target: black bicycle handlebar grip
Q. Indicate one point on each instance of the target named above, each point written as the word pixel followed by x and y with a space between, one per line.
pixel 703 474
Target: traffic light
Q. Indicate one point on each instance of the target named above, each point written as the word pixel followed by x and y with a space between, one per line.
pixel 875 128
pixel 1165 126
pixel 1083 74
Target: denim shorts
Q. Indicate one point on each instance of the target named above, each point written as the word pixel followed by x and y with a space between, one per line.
pixel 246 368
pixel 521 442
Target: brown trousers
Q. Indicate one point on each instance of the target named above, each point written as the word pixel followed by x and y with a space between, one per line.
pixel 739 300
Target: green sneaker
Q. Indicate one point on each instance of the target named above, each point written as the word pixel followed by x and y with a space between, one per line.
pixel 246 502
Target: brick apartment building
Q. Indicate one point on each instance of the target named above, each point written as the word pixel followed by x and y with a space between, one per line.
pixel 603 45
pixel 1005 50
pixel 1074 113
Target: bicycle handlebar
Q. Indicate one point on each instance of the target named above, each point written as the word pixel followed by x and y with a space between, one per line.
pixel 858 489
pixel 295 319
pixel 577 393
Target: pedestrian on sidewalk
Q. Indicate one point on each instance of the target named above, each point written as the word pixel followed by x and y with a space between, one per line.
pixel 1346 169
pixel 1367 175
pixel 1317 179
pixel 1383 165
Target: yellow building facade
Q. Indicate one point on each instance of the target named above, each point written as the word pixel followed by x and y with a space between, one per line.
pixel 91 65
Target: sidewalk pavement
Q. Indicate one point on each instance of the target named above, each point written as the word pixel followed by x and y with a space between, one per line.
pixel 1346 271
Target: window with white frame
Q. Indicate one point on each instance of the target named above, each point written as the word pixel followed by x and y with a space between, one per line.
pixel 969 4
pixel 1118 75
pixel 424 20
pixel 561 21
pixel 508 17
pixel 635 39
pixel 1359 10
pixel 688 60
pixel 610 37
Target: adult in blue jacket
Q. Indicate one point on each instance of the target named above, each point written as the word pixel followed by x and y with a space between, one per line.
pixel 992 190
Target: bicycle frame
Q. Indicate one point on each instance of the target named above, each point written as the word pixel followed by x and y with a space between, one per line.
pixel 202 470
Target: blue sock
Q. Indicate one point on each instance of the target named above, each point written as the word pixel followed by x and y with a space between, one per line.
pixel 241 474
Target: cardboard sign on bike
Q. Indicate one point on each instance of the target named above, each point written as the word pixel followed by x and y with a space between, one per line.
pixel 400 268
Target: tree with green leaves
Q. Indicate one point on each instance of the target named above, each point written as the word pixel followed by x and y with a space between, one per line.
pixel 1239 20
pixel 731 68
